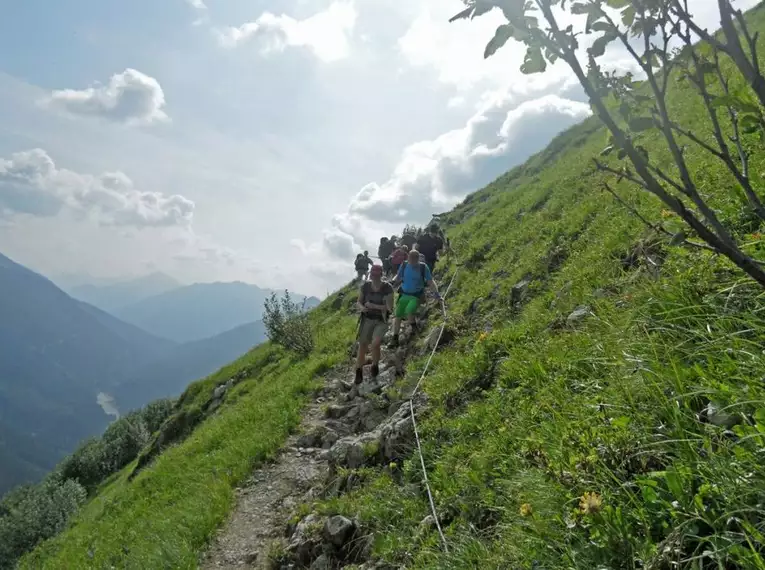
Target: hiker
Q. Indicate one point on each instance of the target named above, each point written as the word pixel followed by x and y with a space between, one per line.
pixel 408 240
pixel 375 303
pixel 416 248
pixel 362 264
pixel 429 244
pixel 414 278
pixel 384 252
pixel 398 257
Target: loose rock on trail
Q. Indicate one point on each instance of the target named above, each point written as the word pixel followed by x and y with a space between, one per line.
pixel 345 425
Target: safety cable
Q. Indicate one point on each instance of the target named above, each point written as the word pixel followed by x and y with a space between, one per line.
pixel 411 410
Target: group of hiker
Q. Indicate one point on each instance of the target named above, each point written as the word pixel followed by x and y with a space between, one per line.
pixel 410 261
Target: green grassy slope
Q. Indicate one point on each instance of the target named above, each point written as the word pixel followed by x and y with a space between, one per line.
pixel 528 418
pixel 527 413
pixel 163 518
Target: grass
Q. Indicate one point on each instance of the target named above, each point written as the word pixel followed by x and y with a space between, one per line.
pixel 630 439
pixel 165 516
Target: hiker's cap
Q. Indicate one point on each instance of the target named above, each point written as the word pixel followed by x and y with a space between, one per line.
pixel 376 270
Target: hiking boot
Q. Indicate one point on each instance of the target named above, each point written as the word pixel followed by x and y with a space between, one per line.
pixel 415 327
pixel 375 370
pixel 359 376
pixel 393 342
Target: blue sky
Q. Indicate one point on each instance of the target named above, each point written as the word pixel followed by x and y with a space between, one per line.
pixel 265 141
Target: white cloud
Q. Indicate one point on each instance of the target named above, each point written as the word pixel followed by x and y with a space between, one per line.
pixel 130 97
pixel 434 175
pixel 326 33
pixel 30 183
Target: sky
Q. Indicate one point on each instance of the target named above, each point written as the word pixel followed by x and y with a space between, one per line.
pixel 261 141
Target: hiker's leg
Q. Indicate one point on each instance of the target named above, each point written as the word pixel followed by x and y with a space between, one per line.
pixel 411 308
pixel 377 338
pixel 362 354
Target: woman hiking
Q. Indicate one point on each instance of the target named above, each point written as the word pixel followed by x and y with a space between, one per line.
pixel 375 303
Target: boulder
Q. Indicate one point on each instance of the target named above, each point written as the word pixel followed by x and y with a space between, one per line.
pixel 305 540
pixel 323 562
pixel 354 451
pixel 520 291
pixel 578 315
pixel 338 530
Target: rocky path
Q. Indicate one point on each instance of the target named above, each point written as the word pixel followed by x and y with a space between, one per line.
pixel 343 426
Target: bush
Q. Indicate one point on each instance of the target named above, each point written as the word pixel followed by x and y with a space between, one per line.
pixel 122 441
pixel 287 324
pixel 30 514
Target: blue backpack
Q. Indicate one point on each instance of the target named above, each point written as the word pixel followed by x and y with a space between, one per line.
pixel 423 278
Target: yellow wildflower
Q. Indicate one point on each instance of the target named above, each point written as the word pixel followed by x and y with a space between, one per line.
pixel 667 213
pixel 483 336
pixel 590 503
pixel 526 510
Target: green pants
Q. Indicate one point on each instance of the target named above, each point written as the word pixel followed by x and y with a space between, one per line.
pixel 406 305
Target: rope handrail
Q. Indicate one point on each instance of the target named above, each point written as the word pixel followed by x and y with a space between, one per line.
pixel 411 410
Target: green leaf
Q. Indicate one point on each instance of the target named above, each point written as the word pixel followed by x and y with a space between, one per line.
pixel 600 27
pixel 674 484
pixel 513 9
pixel 649 495
pixel 625 111
pixel 749 123
pixel 628 16
pixel 481 7
pixel 501 35
pixel 592 17
pixel 639 124
pixel 534 62
pixel 599 45
pixel 465 14
pixel 617 3
pixel 621 421
pixel 759 416
pixel 580 9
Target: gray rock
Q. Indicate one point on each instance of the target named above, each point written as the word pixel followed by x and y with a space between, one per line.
pixel 330 437
pixel 354 452
pixel 578 314
pixel 322 563
pixel 336 411
pixel 305 541
pixel 520 291
pixel 338 530
pixel 376 385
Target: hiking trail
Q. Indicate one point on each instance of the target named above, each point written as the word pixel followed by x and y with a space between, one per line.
pixel 344 426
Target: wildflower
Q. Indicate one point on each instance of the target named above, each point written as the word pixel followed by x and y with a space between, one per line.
pixel 756 235
pixel 590 503
pixel 526 510
pixel 667 213
pixel 483 336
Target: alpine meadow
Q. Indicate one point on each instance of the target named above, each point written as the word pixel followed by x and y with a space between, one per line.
pixel 596 398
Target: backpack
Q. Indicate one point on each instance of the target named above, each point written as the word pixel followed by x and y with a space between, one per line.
pixel 429 246
pixel 360 263
pixel 422 275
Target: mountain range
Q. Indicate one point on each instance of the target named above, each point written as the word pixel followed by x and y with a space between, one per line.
pixel 59 353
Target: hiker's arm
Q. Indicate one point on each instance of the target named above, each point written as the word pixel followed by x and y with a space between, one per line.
pixel 360 301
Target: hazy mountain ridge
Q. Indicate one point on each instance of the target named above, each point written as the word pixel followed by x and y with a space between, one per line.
pixel 113 296
pixel 201 310
pixel 59 353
